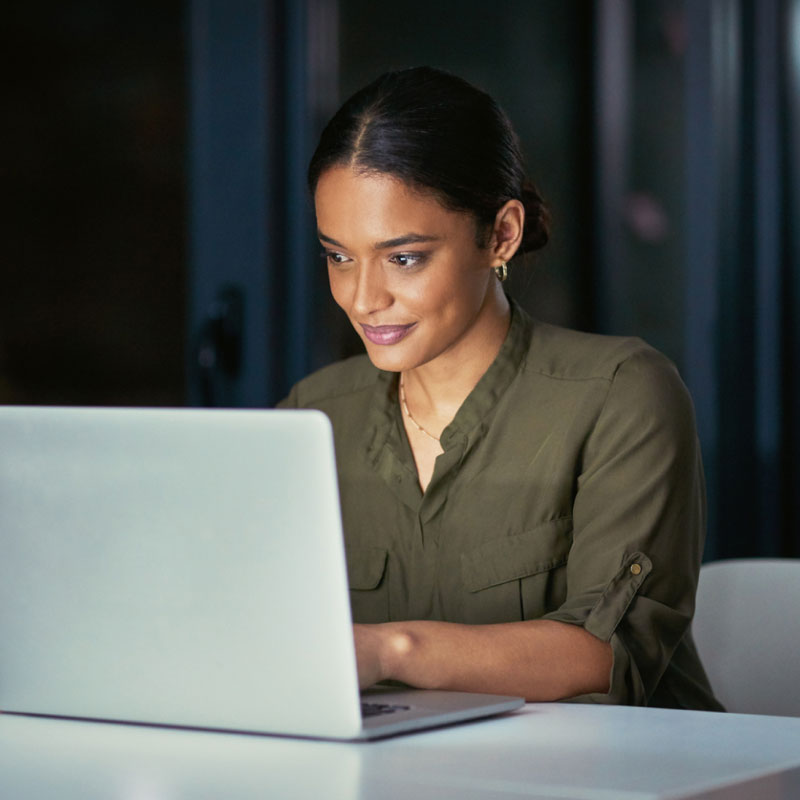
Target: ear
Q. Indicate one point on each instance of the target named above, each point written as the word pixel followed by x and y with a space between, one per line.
pixel 507 232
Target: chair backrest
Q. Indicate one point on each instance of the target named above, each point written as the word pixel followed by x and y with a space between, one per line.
pixel 747 630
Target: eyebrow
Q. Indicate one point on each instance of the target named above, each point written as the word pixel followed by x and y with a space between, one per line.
pixel 398 241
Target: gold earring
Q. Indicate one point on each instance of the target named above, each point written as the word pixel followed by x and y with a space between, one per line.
pixel 501 272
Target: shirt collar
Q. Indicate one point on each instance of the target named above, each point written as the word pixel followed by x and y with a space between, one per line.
pixel 481 401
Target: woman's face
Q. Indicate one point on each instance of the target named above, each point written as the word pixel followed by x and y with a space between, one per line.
pixel 407 271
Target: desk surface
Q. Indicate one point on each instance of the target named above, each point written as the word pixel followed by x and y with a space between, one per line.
pixel 564 751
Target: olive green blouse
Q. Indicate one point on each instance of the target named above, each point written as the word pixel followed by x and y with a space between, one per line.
pixel 570 488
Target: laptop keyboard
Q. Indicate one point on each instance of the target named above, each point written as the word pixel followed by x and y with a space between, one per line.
pixel 376 709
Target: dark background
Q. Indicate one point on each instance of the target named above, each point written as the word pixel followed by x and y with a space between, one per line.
pixel 158 242
pixel 92 305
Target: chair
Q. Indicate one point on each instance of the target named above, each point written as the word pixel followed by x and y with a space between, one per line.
pixel 747 630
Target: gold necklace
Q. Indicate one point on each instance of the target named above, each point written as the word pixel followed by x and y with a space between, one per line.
pixel 408 413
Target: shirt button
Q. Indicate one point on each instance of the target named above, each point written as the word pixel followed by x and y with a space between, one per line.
pixel 636 569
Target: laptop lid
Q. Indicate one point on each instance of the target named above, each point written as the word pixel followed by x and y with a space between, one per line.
pixel 183 567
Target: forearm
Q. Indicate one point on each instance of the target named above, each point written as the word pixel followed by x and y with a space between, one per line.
pixel 537 659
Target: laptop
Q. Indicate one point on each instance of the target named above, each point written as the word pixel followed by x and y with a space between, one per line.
pixel 186 567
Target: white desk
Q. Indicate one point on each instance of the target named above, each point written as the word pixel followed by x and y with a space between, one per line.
pixel 542 751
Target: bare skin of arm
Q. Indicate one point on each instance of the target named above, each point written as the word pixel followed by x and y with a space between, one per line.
pixel 540 660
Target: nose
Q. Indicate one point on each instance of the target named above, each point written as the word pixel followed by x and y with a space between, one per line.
pixel 371 293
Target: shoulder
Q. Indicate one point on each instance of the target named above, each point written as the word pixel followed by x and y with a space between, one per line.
pixel 622 377
pixel 570 355
pixel 341 380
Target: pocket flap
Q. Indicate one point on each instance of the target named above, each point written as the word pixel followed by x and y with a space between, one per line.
pixel 509 558
pixel 365 567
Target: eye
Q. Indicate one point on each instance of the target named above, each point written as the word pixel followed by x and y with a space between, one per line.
pixel 408 260
pixel 334 257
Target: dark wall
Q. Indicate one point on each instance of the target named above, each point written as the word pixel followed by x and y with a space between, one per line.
pixel 93 264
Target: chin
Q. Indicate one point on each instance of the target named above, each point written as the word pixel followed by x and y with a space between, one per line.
pixel 391 358
pixel 385 361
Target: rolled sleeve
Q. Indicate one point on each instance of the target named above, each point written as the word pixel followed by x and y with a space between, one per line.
pixel 639 523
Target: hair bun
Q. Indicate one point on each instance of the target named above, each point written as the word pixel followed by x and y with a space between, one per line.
pixel 537 219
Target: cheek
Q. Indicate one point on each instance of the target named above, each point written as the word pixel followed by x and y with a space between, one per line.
pixel 437 292
pixel 339 288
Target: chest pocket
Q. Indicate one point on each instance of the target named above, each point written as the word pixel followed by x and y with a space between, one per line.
pixel 369 586
pixel 517 577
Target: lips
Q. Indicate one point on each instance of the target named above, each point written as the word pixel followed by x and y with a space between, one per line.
pixel 387 334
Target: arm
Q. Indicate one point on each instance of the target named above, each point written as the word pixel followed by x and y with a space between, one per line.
pixel 537 659
pixel 639 526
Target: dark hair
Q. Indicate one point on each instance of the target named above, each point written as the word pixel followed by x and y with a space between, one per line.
pixel 440 134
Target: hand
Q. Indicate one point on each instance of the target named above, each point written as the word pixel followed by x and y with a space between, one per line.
pixel 368 641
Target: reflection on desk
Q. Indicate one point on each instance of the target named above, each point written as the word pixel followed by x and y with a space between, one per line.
pixel 576 752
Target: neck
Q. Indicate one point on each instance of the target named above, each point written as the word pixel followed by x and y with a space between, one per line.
pixel 438 389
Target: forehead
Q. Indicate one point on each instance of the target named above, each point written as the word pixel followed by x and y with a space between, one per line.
pixel 353 205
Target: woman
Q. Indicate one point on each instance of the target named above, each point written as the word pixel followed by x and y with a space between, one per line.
pixel 523 505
